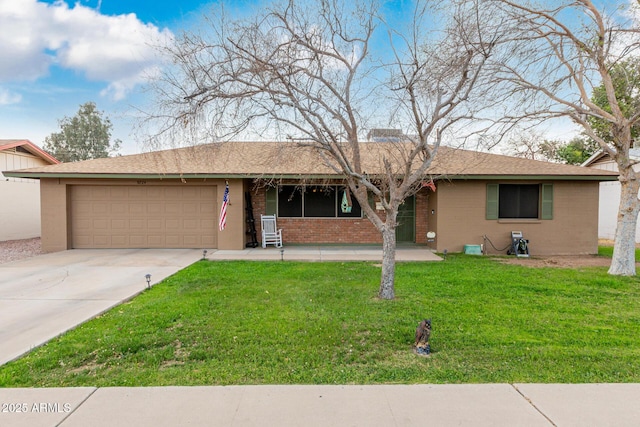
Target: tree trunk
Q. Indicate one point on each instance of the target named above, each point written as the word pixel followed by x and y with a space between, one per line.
pixel 387 280
pixel 623 262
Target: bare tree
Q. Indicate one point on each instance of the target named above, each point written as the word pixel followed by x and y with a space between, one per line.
pixel 528 144
pixel 309 71
pixel 559 52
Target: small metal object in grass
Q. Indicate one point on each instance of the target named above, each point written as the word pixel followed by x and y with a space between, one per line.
pixel 423 332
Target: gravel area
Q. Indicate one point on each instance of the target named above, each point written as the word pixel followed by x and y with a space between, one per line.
pixel 13 250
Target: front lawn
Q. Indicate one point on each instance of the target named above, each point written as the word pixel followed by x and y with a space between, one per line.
pixel 321 323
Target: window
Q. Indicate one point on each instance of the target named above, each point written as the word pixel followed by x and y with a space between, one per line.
pixel 320 201
pixel 519 201
pixel 289 201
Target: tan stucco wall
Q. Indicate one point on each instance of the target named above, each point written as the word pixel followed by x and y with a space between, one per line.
pixel 55 209
pixel 573 230
pixel 233 237
pixel 53 202
pixel 19 198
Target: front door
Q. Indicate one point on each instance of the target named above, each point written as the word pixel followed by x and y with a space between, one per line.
pixel 406 229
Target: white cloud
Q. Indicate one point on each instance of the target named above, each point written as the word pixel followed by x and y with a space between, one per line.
pixel 7 97
pixel 118 89
pixel 114 49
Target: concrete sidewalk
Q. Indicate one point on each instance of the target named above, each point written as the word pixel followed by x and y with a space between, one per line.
pixel 475 405
pixel 324 253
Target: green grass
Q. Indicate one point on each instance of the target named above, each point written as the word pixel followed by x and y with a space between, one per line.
pixel 321 323
pixel 608 252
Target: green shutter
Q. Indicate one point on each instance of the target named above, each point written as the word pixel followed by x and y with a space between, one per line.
pixel 492 201
pixel 271 207
pixel 547 201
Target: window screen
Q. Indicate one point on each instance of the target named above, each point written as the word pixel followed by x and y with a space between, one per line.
pixel 519 200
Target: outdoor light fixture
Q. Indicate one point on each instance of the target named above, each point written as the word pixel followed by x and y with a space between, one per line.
pixel 204 254
pixel 281 254
pixel 148 277
pixel 445 254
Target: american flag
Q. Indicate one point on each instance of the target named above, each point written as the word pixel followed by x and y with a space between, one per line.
pixel 223 210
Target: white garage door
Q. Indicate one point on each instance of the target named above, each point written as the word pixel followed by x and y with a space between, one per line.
pixel 114 216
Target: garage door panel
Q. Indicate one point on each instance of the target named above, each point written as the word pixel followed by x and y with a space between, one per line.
pixel 154 208
pixel 101 193
pixel 137 224
pixel 101 224
pixel 173 192
pixel 102 241
pixel 119 208
pixel 118 193
pixel 191 240
pixel 173 240
pixel 119 225
pixel 155 224
pixel 154 193
pixel 173 224
pixel 190 224
pixel 143 216
pixel 137 208
pixel 173 208
pixel 137 193
pixel 155 240
pixel 84 224
pixel 83 240
pixel 138 240
pixel 190 208
pixel 83 207
pixel 100 208
pixel 192 193
pixel 119 240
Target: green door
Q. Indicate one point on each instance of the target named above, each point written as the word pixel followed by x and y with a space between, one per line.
pixel 406 229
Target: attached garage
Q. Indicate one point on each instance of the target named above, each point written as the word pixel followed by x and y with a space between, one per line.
pixel 142 216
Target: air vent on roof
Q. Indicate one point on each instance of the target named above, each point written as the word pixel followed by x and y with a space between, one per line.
pixel 385 135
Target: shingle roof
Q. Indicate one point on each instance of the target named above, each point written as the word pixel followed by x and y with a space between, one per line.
pixel 271 159
pixel 6 144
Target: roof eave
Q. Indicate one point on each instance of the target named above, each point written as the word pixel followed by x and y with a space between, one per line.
pixel 33 149
pixel 538 177
pixel 37 175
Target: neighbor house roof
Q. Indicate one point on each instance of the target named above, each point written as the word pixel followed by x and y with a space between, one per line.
pixel 8 144
pixel 602 156
pixel 289 160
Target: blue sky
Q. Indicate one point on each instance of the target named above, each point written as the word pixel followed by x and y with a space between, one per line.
pixel 58 55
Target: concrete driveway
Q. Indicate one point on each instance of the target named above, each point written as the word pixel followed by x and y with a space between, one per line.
pixel 44 296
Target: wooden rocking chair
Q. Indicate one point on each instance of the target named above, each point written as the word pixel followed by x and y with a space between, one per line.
pixel 270 233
